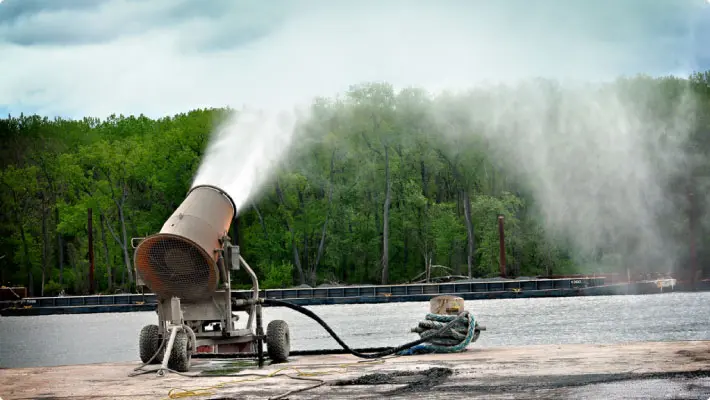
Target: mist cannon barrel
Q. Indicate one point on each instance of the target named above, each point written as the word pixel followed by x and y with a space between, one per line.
pixel 181 260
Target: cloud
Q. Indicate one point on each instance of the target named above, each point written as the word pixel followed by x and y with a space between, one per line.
pixel 97 57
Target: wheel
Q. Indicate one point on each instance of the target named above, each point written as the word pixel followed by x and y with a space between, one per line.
pixel 278 341
pixel 148 344
pixel 180 355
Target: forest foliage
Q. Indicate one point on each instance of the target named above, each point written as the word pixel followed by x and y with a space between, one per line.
pixel 374 194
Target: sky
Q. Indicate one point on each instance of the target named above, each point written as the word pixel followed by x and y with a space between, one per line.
pixel 76 58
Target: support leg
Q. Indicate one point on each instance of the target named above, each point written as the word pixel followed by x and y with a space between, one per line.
pixel 168 350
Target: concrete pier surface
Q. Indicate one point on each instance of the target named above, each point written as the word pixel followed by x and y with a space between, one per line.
pixel 638 370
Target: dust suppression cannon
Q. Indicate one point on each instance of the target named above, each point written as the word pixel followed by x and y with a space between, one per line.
pixel 188 266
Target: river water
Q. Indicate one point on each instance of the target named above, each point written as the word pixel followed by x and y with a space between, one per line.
pixel 96 338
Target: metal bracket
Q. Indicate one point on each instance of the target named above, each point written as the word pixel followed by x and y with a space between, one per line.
pixel 133 241
pixel 139 280
pixel 234 261
pixel 175 311
pixel 229 252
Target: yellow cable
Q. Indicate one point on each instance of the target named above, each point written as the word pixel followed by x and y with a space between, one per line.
pixel 178 393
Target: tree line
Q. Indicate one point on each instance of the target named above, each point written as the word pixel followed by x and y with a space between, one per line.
pixel 374 192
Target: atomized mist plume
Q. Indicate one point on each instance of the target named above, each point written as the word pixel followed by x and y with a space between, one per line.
pixel 244 151
pixel 598 160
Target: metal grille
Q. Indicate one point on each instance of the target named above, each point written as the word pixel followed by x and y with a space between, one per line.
pixel 174 266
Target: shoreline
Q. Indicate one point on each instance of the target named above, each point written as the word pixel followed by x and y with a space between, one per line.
pixel 356 295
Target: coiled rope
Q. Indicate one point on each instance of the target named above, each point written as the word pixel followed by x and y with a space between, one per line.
pixel 444 334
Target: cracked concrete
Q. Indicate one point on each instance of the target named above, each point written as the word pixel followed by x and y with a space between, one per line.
pixel 648 370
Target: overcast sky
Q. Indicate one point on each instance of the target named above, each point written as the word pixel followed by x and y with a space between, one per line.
pixel 80 58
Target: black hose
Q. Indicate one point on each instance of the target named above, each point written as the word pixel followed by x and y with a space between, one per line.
pixel 318 352
pixel 390 351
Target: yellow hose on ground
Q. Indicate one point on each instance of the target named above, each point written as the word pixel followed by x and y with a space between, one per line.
pixel 178 393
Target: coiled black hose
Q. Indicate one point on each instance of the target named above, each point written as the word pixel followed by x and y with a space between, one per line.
pixel 380 354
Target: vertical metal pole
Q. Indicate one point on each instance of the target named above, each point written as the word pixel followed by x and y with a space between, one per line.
pixel 227 267
pixel 91 253
pixel 259 336
pixel 501 233
pixel 237 233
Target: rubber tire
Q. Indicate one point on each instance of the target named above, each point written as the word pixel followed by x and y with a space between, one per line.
pixel 180 356
pixel 278 341
pixel 148 344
